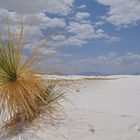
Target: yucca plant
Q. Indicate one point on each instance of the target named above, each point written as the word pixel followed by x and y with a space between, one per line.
pixel 16 125
pixel 24 95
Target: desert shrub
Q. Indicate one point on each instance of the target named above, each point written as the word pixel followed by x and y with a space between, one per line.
pixel 24 94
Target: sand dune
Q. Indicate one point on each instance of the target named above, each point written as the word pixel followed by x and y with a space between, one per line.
pixel 102 110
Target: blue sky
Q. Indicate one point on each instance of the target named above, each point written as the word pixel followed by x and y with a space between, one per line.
pixel 86 35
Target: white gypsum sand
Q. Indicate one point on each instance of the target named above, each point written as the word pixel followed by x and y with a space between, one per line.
pixel 102 109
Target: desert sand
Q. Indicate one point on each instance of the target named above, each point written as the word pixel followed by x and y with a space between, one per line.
pixel 101 108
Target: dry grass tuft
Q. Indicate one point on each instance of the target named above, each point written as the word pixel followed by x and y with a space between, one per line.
pixel 24 95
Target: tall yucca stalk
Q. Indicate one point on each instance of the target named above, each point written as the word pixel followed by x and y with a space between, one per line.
pixel 23 93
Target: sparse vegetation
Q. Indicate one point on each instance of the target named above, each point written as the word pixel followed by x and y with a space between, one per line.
pixel 24 95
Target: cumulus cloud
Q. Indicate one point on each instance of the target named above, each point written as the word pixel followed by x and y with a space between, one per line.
pixel 38 16
pixel 122 12
pixel 86 31
pixel 79 34
pixel 42 19
pixel 82 15
pixel 35 22
pixel 35 19
pixel 30 11
pixel 73 41
pixel 30 6
pixel 82 31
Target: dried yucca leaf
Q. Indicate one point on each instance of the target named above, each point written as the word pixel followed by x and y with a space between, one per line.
pixel 24 95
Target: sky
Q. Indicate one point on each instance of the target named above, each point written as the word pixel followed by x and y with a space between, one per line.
pixel 100 36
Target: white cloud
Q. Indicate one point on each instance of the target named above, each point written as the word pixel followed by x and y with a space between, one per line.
pixel 82 15
pixel 86 31
pixel 82 6
pixel 47 52
pixel 122 12
pixel 44 50
pixel 35 22
pixel 42 19
pixel 99 23
pixel 61 40
pixel 111 63
pixel 5 14
pixel 74 41
pixel 82 31
pixel 35 19
pixel 75 33
pixel 100 31
pixel 31 6
pixel 79 34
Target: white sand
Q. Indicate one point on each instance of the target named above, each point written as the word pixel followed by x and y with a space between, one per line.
pixel 101 110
